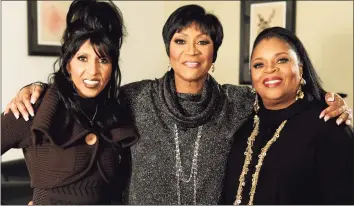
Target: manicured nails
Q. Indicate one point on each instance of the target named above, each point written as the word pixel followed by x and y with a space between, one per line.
pixel 347 122
pixel 339 121
pixel 326 118
pixel 17 115
pixel 330 99
pixel 321 115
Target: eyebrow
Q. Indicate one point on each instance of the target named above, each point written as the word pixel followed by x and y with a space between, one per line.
pixel 184 34
pixel 277 54
pixel 81 53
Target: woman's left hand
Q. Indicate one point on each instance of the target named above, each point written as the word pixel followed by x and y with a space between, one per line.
pixel 337 107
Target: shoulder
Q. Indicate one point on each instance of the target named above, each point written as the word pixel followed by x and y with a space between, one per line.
pixel 240 96
pixel 50 93
pixel 131 90
pixel 327 131
pixel 234 91
pixel 136 86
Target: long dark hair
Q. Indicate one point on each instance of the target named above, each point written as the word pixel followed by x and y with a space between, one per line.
pixel 102 24
pixel 313 82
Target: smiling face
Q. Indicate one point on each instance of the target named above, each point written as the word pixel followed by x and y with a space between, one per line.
pixel 276 73
pixel 191 54
pixel 89 72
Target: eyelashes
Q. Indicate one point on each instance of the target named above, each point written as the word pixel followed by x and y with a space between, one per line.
pixel 181 41
pixel 103 60
pixel 283 60
pixel 279 61
pixel 82 58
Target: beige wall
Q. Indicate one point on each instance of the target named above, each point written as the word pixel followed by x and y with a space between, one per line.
pixel 326 28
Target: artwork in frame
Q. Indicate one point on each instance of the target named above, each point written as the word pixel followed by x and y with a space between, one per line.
pixel 255 17
pixel 46 24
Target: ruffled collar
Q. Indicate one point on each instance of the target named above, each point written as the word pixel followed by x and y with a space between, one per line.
pixel 52 122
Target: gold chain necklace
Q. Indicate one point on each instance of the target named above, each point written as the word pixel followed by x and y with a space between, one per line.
pixel 248 159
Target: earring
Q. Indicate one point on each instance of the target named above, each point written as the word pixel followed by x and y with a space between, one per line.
pixel 212 67
pixel 255 104
pixel 303 81
pixel 169 67
pixel 299 92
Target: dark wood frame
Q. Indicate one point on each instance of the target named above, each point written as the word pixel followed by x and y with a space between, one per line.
pixel 244 74
pixel 33 47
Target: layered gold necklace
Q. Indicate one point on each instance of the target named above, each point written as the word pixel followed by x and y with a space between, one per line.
pixel 248 159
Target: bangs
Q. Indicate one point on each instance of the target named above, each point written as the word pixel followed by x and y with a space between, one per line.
pixel 100 43
pixel 201 25
pixel 101 48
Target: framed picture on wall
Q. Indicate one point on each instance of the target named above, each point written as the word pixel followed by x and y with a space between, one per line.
pixel 255 17
pixel 46 24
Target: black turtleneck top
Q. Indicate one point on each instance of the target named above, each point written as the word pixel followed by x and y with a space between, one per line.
pixel 310 163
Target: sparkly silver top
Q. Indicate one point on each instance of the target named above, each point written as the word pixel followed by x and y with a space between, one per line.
pixel 157 108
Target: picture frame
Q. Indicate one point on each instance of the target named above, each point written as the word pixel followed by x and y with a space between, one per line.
pixel 255 17
pixel 46 24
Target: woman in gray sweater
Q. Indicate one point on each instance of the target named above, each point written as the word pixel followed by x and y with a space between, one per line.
pixel 186 120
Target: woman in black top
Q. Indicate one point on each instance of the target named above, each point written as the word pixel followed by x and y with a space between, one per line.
pixel 285 154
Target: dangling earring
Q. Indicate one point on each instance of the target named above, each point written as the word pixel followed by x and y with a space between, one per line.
pixel 169 67
pixel 255 104
pixel 299 92
pixel 212 67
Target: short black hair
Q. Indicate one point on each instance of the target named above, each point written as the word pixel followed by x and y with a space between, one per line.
pixel 187 15
pixel 313 82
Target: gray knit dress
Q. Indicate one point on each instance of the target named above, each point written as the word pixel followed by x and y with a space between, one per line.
pixel 169 125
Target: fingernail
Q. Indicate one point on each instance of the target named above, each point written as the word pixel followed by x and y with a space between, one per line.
pixel 321 115
pixel 32 114
pixel 32 101
pixel 26 118
pixel 326 118
pixel 347 122
pixel 5 113
pixel 330 99
pixel 339 121
pixel 17 116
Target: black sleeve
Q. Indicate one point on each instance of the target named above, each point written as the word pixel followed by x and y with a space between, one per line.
pixel 119 191
pixel 334 155
pixel 15 133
